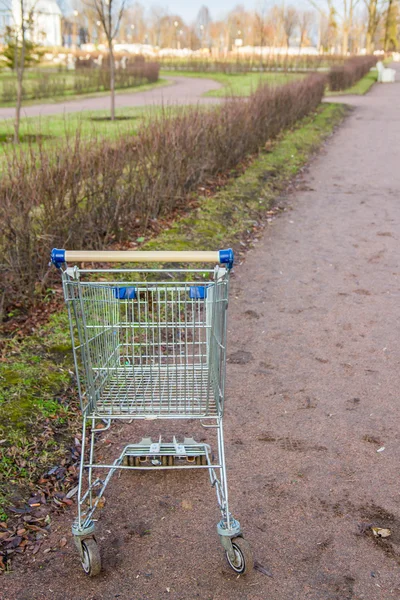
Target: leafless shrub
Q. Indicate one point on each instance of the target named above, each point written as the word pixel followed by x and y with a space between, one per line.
pixel 344 76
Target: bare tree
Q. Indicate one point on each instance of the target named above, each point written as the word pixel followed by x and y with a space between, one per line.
pixel 290 19
pixel 306 19
pixel 23 21
pixel 260 23
pixel 157 15
pixel 203 23
pixel 345 12
pixel 373 22
pixel 391 25
pixel 109 13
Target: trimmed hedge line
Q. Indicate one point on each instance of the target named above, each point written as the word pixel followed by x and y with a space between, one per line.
pixel 354 69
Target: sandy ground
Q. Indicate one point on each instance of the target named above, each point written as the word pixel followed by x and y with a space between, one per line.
pixel 183 90
pixel 315 313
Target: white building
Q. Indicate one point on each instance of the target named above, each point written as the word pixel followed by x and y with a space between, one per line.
pixel 46 20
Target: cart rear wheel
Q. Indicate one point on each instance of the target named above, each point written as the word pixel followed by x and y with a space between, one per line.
pixel 91 561
pixel 171 461
pixel 244 561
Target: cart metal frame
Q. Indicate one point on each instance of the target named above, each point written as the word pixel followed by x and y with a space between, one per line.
pixel 149 343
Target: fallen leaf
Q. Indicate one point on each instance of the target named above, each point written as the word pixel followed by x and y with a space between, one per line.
pixel 187 505
pixel 36 548
pixel 262 569
pixel 63 542
pixel 100 503
pixel 381 533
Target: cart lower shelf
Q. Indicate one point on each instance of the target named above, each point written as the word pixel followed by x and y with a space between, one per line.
pixel 158 391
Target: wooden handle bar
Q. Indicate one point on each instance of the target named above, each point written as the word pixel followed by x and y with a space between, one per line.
pixel 59 257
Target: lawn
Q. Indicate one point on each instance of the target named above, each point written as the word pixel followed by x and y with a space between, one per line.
pixel 242 84
pixel 89 123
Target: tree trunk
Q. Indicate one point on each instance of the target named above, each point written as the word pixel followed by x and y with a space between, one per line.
pixel 20 66
pixel 345 45
pixel 112 80
pixel 387 23
pixel 372 24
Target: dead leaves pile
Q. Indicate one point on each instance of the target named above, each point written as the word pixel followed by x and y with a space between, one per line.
pixel 25 532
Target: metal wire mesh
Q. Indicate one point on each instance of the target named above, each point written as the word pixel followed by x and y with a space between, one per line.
pixel 149 348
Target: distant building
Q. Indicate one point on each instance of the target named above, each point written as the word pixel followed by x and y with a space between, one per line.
pixel 46 20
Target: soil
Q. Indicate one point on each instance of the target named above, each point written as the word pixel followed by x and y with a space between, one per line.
pixel 312 395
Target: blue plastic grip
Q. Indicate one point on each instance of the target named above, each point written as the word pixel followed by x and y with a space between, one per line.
pixel 227 257
pixel 125 293
pixel 57 257
pixel 198 292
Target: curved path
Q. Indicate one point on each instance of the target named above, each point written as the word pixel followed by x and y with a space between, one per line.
pixel 183 90
pixel 312 413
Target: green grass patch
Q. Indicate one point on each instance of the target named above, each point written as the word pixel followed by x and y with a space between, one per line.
pixel 242 84
pixel 360 88
pixel 57 129
pixel 36 413
pixel 38 404
pixel 89 124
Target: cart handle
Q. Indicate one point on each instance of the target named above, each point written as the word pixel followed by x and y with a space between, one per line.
pixel 60 257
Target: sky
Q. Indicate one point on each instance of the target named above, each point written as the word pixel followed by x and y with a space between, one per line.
pixel 188 9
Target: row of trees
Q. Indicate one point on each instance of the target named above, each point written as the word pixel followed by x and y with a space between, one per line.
pixel 354 24
pixel 341 25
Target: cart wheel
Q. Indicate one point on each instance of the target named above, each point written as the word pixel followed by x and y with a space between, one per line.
pixel 171 461
pixel 137 461
pixel 244 561
pixel 164 461
pixel 91 561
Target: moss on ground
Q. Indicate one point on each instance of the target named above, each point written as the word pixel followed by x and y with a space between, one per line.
pixel 38 404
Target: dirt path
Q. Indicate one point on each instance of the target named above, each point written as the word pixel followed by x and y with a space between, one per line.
pixel 316 308
pixel 183 90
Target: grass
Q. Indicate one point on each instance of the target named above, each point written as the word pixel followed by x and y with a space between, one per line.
pixel 360 88
pixel 242 84
pixel 89 123
pixel 38 415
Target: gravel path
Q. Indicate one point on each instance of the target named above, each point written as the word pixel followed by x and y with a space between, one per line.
pixel 183 90
pixel 315 313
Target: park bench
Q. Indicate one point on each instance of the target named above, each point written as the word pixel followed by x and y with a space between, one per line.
pixel 385 75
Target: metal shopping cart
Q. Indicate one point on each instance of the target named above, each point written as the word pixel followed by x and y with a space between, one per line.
pixel 149 344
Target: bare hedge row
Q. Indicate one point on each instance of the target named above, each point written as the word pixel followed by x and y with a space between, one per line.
pixel 344 76
pixel 90 195
pixel 84 81
pixel 243 64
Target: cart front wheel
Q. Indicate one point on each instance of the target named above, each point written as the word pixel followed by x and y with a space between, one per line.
pixel 91 561
pixel 243 562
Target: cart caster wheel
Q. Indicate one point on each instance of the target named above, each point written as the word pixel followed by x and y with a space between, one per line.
pixel 244 561
pixel 91 561
pixel 164 461
pixel 171 461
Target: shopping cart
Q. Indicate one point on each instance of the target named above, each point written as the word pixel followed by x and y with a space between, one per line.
pixel 149 344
